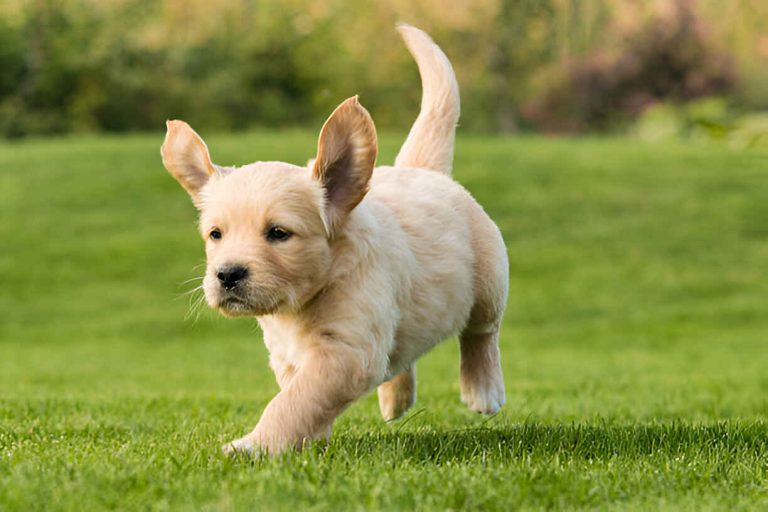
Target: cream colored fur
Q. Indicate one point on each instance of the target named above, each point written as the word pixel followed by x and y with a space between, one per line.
pixel 353 273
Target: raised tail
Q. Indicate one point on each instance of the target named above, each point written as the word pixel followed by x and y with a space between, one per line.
pixel 430 142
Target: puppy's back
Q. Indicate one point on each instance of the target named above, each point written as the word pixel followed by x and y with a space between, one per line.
pixel 459 253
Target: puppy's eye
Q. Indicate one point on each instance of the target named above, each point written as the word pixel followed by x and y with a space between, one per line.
pixel 215 234
pixel 278 234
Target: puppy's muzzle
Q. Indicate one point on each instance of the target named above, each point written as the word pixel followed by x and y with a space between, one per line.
pixel 230 275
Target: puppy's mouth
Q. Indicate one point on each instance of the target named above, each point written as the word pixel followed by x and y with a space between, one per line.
pixel 232 305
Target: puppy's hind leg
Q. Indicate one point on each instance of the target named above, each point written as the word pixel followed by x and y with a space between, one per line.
pixel 398 394
pixel 482 383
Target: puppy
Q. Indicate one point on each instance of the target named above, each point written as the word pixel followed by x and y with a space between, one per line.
pixel 353 272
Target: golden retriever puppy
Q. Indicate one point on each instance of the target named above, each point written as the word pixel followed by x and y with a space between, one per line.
pixel 353 272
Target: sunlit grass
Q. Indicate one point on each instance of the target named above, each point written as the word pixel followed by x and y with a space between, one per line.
pixel 634 347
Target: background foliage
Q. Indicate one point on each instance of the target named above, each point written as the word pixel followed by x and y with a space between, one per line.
pixel 553 65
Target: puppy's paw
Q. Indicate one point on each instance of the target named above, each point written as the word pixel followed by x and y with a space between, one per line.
pixel 487 400
pixel 242 446
pixel 397 395
pixel 394 403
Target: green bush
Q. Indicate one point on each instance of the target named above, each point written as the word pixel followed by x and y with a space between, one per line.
pixel 667 59
pixel 118 65
pixel 707 120
pixel 66 68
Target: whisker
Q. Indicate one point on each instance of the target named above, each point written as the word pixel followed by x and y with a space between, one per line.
pixel 196 278
pixel 196 304
pixel 181 294
pixel 193 290
pixel 201 264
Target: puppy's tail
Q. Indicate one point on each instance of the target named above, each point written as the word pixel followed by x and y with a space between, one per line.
pixel 430 142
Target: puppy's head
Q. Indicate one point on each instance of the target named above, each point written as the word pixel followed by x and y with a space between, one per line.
pixel 269 227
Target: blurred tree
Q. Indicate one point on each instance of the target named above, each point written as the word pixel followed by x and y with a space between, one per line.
pixel 521 39
pixel 668 57
pixel 230 64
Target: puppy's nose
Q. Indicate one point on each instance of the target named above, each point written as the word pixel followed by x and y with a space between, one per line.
pixel 230 275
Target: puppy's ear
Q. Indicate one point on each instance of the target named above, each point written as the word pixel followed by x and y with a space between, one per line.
pixel 346 153
pixel 186 157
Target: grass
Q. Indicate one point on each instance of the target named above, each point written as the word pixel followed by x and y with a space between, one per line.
pixel 634 347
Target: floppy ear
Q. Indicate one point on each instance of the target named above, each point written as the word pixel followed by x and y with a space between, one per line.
pixel 186 157
pixel 346 153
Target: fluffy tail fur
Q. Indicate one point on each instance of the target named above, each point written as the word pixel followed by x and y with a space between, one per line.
pixel 430 143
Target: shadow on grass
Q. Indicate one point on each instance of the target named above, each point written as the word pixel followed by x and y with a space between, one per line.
pixel 573 441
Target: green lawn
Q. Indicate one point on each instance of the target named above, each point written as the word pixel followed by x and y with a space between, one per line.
pixel 635 347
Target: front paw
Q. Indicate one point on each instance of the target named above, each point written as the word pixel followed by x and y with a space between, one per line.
pixel 245 445
pixel 257 446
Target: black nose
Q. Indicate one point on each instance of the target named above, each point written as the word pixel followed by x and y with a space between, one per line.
pixel 231 275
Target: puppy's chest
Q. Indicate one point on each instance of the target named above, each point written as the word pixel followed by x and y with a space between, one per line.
pixel 286 341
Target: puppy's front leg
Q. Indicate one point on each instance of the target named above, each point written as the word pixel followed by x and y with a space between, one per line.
pixel 327 381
